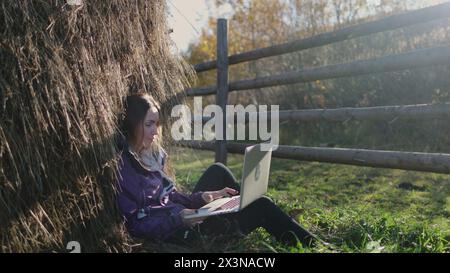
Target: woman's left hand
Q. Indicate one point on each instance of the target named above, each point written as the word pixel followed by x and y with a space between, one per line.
pixel 210 196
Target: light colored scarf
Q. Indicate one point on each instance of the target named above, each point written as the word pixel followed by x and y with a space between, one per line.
pixel 154 160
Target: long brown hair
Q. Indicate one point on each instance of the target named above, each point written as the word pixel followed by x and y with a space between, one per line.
pixel 136 107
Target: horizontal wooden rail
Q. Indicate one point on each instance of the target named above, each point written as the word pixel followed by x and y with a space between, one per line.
pixel 389 23
pixel 413 59
pixel 417 111
pixel 427 162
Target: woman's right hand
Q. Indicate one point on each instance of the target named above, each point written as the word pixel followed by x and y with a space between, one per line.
pixel 209 196
pixel 191 222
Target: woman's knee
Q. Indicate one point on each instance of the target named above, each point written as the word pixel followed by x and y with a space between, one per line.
pixel 263 202
pixel 219 168
pixel 215 167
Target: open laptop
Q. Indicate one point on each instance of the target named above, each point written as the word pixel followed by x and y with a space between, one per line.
pixel 254 181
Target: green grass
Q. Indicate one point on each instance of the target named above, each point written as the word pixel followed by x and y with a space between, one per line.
pixel 356 209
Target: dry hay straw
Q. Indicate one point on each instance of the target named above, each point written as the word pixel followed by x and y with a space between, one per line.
pixel 65 71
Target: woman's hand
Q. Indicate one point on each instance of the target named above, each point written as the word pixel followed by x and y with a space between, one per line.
pixel 190 222
pixel 210 196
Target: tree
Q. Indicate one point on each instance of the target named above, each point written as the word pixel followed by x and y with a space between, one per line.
pixel 257 24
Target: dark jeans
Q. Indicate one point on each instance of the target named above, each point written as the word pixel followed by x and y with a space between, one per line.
pixel 261 213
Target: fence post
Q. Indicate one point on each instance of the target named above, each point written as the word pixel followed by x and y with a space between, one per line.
pixel 222 85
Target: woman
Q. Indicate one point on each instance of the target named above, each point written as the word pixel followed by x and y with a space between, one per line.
pixel 152 206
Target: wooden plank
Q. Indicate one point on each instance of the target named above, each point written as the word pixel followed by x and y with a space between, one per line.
pixel 427 162
pixel 389 23
pixel 222 83
pixel 201 91
pixel 417 111
pixel 409 60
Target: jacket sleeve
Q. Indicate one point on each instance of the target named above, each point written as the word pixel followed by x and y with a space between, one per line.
pixel 193 201
pixel 159 223
pixel 158 227
pixel 129 199
pixel 127 206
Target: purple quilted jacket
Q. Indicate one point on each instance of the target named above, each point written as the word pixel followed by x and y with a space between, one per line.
pixel 149 202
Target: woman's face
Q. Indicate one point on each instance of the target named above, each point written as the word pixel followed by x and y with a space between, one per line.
pixel 148 130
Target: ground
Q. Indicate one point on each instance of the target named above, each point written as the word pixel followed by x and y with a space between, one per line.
pixel 356 209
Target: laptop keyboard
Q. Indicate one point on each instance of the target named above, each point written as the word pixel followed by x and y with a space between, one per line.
pixel 231 204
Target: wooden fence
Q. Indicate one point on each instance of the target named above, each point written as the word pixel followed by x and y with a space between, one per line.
pixel 432 162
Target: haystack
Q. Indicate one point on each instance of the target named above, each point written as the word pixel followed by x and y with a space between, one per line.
pixel 65 72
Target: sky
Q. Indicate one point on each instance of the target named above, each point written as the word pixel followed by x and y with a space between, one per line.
pixel 188 17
